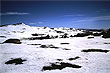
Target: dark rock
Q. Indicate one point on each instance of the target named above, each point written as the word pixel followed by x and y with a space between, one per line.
pixel 2 36
pixel 4 25
pixel 95 50
pixel 59 31
pixel 44 46
pixel 60 66
pixel 33 44
pixel 97 34
pixel 48 46
pixel 77 57
pixel 64 43
pixel 35 34
pixel 83 34
pixel 64 36
pixel 106 43
pixel 39 38
pixel 52 28
pixel 90 37
pixel 65 49
pixel 60 59
pixel 106 34
pixel 15 41
pixel 72 36
pixel 15 61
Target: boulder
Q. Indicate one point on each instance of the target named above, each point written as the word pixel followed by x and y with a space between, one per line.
pixel 15 41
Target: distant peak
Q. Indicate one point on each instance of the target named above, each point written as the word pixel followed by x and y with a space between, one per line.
pixel 19 24
pixel 12 24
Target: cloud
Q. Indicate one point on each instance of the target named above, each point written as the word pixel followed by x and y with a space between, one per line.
pixel 89 19
pixel 73 15
pixel 14 13
pixel 36 23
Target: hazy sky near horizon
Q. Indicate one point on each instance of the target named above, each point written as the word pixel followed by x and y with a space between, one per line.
pixel 74 14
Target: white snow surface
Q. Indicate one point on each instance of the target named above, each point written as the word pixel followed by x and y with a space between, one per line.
pixel 37 57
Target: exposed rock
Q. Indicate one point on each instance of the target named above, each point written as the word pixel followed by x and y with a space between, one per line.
pixel 90 37
pixel 15 61
pixel 60 66
pixel 59 31
pixel 60 59
pixel 106 34
pixel 2 36
pixel 15 41
pixel 83 34
pixel 38 38
pixel 106 43
pixel 35 34
pixel 97 34
pixel 44 46
pixel 64 43
pixel 66 49
pixel 33 44
pixel 95 50
pixel 77 57
pixel 48 46
pixel 64 35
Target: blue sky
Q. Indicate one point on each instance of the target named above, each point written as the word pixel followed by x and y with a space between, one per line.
pixel 73 14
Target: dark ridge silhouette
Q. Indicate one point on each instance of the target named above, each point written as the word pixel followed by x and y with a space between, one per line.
pixel 92 30
pixel 15 61
pixel 15 41
pixel 60 66
pixel 10 24
pixel 94 50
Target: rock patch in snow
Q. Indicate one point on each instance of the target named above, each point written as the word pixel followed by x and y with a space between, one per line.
pixel 90 37
pixel 94 50
pixel 48 46
pixel 60 66
pixel 33 44
pixel 77 57
pixel 106 43
pixel 15 61
pixel 64 43
pixel 2 36
pixel 15 41
pixel 60 59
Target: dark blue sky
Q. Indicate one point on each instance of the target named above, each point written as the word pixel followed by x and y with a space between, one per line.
pixel 76 14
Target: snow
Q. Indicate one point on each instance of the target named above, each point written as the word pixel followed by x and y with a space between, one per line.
pixel 37 57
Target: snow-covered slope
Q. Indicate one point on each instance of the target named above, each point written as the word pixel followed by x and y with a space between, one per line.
pixel 40 55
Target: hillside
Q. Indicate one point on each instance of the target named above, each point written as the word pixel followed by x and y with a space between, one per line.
pixel 30 49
